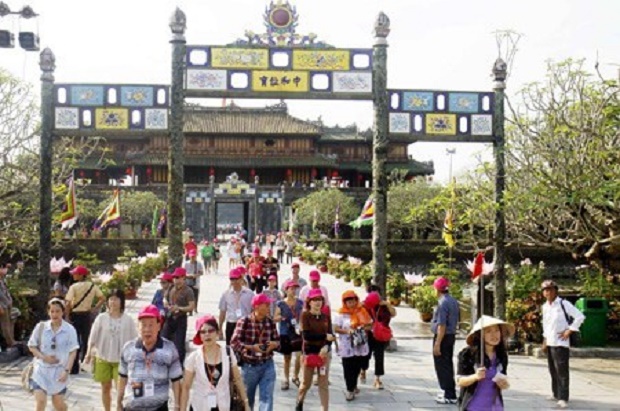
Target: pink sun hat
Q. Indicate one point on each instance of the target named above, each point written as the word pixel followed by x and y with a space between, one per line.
pixel 260 299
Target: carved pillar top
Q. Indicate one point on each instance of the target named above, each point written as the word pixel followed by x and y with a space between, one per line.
pixel 382 29
pixel 178 24
pixel 47 63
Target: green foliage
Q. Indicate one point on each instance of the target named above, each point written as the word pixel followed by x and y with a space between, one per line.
pixel 90 260
pixel 594 283
pixel 524 280
pixel 404 199
pixel 323 205
pixel 395 284
pixel 425 298
pixel 137 207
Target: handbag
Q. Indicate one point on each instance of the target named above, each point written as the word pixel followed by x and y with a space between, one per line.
pixel 575 336
pixel 236 401
pixel 381 332
pixel 359 338
pixel 313 361
pixel 29 369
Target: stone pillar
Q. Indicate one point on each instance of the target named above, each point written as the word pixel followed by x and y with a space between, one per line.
pixel 380 149
pixel 175 151
pixel 47 63
pixel 499 74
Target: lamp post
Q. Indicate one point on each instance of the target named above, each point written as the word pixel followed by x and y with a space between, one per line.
pixel 175 152
pixel 380 147
pixel 28 40
pixel 47 63
pixel 450 152
pixel 499 74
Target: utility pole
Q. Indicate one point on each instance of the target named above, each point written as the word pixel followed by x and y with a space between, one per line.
pixel 47 63
pixel 175 151
pixel 380 147
pixel 499 74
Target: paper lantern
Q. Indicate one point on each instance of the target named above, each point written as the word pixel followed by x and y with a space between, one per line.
pixel 289 172
pixel 149 171
pixel 314 172
pixel 211 171
pixel 252 172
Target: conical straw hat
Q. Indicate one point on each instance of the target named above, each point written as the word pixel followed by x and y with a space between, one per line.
pixel 487 321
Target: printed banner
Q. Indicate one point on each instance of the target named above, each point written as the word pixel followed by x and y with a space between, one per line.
pixel 321 60
pixel 111 119
pixel 441 124
pixel 280 80
pixel 239 58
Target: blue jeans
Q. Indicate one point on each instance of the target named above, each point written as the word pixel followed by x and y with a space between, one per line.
pixel 264 376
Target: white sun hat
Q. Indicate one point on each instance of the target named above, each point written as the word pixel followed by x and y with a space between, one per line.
pixel 487 321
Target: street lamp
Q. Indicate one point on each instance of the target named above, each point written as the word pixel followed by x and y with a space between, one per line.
pixel 28 40
pixel 450 152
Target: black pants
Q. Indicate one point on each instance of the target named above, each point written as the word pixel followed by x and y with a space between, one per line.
pixel 558 359
pixel 196 294
pixel 230 330
pixel 162 408
pixel 444 366
pixel 175 330
pixel 280 254
pixel 352 367
pixel 378 350
pixel 289 258
pixel 82 323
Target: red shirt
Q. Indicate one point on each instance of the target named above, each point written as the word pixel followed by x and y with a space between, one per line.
pixel 190 245
pixel 255 269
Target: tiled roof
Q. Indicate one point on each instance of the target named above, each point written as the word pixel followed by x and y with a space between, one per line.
pixel 236 120
pixel 414 167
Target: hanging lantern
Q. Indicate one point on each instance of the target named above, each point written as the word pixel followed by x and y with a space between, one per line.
pixel 252 172
pixel 149 171
pixel 314 173
pixel 97 173
pixel 289 172
pixel 211 171
pixel 82 174
pixel 335 174
pixel 128 171
pixel 360 177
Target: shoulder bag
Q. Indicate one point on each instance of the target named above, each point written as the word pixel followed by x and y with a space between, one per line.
pixel 92 285
pixel 380 332
pixel 575 337
pixel 236 400
pixel 29 369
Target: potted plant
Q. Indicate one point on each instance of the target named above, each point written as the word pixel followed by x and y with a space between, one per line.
pixel 395 285
pixel 425 302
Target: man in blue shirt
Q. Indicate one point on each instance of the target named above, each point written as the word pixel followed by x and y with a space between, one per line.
pixel 443 326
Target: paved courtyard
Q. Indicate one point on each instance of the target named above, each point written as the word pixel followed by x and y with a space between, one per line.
pixel 410 383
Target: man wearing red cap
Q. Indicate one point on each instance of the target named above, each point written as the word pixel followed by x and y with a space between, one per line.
pixel 190 245
pixel 235 303
pixel 149 365
pixel 165 281
pixel 254 340
pixel 315 278
pixel 79 310
pixel 443 325
pixel 296 278
pixel 179 302
pixel 194 269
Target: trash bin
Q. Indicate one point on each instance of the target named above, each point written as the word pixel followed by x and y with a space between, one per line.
pixel 594 328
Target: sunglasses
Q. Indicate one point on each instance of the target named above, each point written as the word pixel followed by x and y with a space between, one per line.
pixel 208 331
pixel 53 342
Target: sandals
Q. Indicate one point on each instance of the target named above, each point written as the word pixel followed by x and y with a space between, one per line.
pixel 285 385
pixel 296 382
pixel 363 377
pixel 379 384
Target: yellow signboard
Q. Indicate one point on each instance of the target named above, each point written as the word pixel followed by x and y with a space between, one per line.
pixel 234 191
pixel 239 58
pixel 280 80
pixel 225 186
pixel 441 124
pixel 321 60
pixel 111 119
pixel 243 186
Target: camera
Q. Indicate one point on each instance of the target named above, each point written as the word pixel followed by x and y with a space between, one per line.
pixel 264 347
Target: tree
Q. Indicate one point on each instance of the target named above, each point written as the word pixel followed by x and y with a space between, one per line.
pixel 564 164
pixel 403 198
pixel 137 207
pixel 319 208
pixel 19 165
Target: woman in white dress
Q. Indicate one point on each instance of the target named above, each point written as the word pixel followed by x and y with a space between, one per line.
pixel 54 345
pixel 111 331
pixel 209 372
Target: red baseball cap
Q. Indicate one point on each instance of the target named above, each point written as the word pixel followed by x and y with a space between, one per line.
pixel 290 283
pixel 199 323
pixel 150 311
pixel 295 265
pixel 260 299
pixel 192 253
pixel 441 284
pixel 80 270
pixel 315 275
pixel 179 272
pixel 165 277
pixel 314 293
pixel 235 274
pixel 269 252
pixel 272 277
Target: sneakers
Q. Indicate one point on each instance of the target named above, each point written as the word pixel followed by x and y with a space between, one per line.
pixel 562 404
pixel 440 399
pixel 349 396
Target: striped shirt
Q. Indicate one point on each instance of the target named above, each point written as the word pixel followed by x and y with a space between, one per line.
pixel 160 366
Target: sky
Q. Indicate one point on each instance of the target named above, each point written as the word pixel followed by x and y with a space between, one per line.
pixel 433 44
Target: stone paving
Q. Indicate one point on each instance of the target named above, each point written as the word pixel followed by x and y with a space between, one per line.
pixel 410 383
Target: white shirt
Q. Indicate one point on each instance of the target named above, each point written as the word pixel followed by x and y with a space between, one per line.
pixel 554 321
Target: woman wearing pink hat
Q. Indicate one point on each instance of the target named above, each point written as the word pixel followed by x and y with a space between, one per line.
pixel 288 314
pixel 210 371
pixel 316 331
pixel 381 312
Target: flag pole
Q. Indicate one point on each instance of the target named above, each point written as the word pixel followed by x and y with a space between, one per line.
pixel 481 314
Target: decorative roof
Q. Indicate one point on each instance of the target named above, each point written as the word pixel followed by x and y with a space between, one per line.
pixel 414 167
pixel 236 120
pixel 348 134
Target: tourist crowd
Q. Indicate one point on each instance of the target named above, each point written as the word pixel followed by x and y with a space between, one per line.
pixel 264 312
